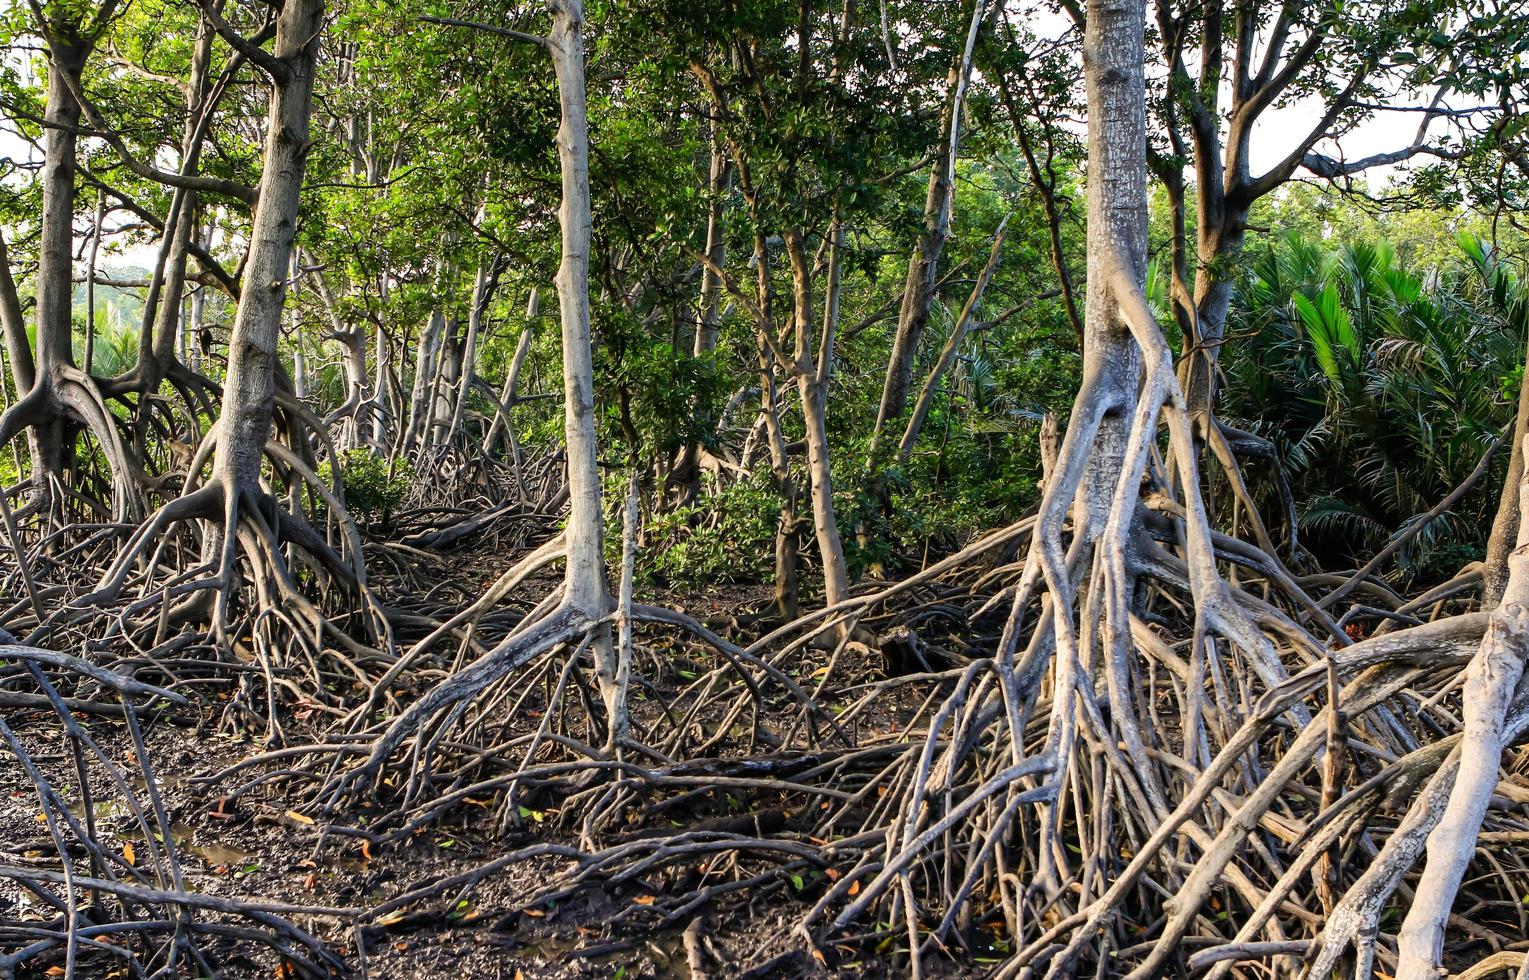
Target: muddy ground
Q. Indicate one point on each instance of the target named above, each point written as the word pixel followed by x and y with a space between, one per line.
pixel 262 847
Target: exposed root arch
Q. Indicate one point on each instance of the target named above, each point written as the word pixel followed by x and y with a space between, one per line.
pixel 66 395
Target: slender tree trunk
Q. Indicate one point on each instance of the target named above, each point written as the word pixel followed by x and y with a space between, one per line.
pixel 948 354
pixel 716 250
pixel 90 283
pixel 443 383
pixel 379 402
pixel 483 294
pixel 584 583
pixel 812 386
pixel 249 392
pixel 787 532
pixel 198 318
pixel 421 394
pixel 686 472
pixel 18 347
pixel 167 330
pixel 507 400
pixel 923 264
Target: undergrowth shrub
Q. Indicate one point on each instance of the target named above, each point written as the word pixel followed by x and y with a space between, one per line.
pixel 371 494
pixel 727 537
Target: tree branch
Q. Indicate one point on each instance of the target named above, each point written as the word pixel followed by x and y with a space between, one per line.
pixel 250 47
pixel 213 185
pixel 535 39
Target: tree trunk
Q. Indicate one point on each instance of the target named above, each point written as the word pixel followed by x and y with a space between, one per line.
pixel 90 282
pixel 686 473
pixel 379 402
pixel 483 294
pixel 1493 680
pixel 1220 245
pixel 1504 536
pixel 952 347
pixel 1113 52
pixel 584 585
pixel 421 400
pixel 18 347
pixel 923 264
pixel 249 392
pixel 812 385
pixel 716 250
pixel 507 398
pixel 54 288
pixel 61 396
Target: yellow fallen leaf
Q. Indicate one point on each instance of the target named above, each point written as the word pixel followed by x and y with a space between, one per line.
pixel 301 818
pixel 854 887
pixel 643 900
pixel 127 853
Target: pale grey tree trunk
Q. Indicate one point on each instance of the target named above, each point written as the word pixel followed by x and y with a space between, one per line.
pixel 507 399
pixel 716 250
pixel 379 402
pixel 1113 58
pixel 584 583
pixel 812 385
pixel 421 393
pixel 198 318
pixel 483 294
pixel 249 392
pixel 90 283
pixel 1493 680
pixel 157 349
pixel 586 586
pixel 18 347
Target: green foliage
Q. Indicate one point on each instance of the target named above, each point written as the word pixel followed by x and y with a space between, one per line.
pixel 371 493
pixel 726 537
pixel 1381 388
pixel 977 474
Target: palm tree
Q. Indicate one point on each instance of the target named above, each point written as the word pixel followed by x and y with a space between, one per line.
pixel 1381 390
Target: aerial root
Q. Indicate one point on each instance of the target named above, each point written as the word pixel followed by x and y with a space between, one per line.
pixel 196 561
pixel 1105 753
pixel 103 905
